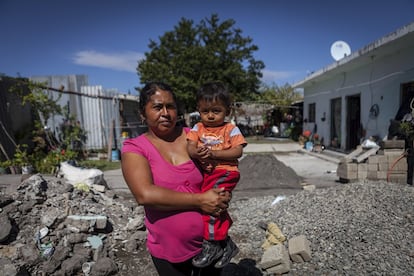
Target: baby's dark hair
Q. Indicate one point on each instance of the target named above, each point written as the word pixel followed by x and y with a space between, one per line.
pixel 149 89
pixel 214 91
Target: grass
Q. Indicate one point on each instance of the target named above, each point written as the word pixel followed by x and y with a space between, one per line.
pixel 260 139
pixel 102 165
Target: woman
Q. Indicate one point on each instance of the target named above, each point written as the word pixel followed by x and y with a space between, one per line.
pixel 163 178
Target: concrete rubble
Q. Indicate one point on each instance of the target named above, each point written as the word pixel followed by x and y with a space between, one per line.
pixel 53 228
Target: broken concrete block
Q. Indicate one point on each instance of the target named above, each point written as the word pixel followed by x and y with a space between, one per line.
pixel 299 249
pixel 309 188
pixel 281 268
pixel 98 188
pixel 5 228
pixel 273 256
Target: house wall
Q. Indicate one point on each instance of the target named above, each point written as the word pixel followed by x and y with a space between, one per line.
pixel 378 81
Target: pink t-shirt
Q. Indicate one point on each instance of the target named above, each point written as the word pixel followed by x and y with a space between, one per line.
pixel 175 236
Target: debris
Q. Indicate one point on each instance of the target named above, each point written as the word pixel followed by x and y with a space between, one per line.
pixel 277 199
pixel 75 175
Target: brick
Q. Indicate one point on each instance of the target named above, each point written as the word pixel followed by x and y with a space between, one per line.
pixel 299 249
pixel 273 256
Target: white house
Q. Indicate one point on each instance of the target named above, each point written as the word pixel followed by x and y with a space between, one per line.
pixel 357 96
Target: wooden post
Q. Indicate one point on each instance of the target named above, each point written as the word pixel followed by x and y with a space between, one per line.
pixel 110 140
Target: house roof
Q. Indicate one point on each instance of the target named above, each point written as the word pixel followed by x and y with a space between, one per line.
pixel 390 43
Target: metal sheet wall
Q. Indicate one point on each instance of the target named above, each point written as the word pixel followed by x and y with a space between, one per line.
pixel 98 116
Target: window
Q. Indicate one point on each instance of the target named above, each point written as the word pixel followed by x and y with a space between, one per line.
pixel 311 113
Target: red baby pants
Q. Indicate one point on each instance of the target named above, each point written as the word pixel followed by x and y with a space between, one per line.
pixel 216 228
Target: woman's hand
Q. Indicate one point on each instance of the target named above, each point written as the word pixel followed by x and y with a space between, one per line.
pixel 215 201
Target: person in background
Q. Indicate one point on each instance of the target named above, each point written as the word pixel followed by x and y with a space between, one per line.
pixel 160 174
pixel 216 145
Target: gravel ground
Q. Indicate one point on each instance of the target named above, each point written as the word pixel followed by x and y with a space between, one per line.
pixel 364 228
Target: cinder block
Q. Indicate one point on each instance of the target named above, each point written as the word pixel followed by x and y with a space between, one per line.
pixel 299 249
pixel 398 178
pixel 400 165
pixel 362 175
pixel 347 170
pixel 382 175
pixel 373 167
pixel 373 175
pixel 373 159
pixel 382 159
pixel 281 268
pixel 392 151
pixel 383 166
pixel 362 167
pixel 348 175
pixel 392 144
pixel 273 256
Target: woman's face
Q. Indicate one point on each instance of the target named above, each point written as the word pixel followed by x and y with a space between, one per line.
pixel 161 112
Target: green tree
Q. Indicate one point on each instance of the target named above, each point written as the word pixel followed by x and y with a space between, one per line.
pixel 283 96
pixel 191 55
pixel 46 151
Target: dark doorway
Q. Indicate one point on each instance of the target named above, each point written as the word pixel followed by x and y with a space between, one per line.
pixel 336 110
pixel 353 122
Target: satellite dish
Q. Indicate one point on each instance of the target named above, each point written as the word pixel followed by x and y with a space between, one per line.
pixel 340 49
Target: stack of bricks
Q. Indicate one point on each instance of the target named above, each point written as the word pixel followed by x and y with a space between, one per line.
pixel 387 163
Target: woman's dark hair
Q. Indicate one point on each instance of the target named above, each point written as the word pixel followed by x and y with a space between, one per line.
pixel 214 91
pixel 149 89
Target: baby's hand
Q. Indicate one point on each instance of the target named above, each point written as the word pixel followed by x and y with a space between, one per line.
pixel 203 152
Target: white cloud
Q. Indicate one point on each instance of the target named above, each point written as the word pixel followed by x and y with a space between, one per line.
pixel 276 76
pixel 122 61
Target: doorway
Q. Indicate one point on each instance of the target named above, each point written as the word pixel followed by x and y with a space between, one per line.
pixel 353 122
pixel 336 110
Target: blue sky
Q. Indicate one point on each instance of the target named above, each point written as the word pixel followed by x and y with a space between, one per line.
pixel 105 39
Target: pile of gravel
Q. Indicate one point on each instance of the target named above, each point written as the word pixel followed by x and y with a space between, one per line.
pixel 364 228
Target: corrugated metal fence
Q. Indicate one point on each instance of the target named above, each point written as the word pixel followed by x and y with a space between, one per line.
pixel 100 117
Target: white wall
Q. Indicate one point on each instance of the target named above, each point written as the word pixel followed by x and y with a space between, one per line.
pixel 378 81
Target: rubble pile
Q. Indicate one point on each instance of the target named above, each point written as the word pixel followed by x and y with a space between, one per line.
pixel 53 228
